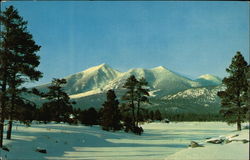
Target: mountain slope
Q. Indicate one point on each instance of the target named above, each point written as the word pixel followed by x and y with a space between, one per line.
pixel 195 100
pixel 160 80
pixel 168 90
pixel 92 79
pixel 208 80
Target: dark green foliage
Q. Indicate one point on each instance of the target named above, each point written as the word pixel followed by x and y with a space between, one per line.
pixel 59 108
pixel 234 98
pixel 157 115
pixel 192 117
pixel 129 126
pixel 130 96
pixel 25 112
pixel 248 99
pixel 110 119
pixel 136 94
pixel 75 116
pixel 141 96
pixel 89 117
pixel 18 61
pixel 128 123
pixel 45 114
pixel 152 115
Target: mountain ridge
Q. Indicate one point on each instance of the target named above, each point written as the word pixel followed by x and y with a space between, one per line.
pixel 103 77
pixel 168 89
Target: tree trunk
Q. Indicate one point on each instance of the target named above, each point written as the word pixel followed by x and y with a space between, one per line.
pixel 13 96
pixel 2 109
pixel 133 107
pixel 238 126
pixel 1 130
pixel 239 113
pixel 138 108
pixel 133 113
pixel 9 130
pixel 8 136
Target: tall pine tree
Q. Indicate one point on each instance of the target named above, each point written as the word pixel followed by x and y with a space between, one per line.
pixel 130 95
pixel 141 94
pixel 111 117
pixel 234 98
pixel 18 61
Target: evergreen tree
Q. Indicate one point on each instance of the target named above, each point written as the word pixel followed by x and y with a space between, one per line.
pixel 18 61
pixel 59 105
pixel 141 94
pixel 146 115
pixel 45 113
pixel 89 117
pixel 130 95
pixel 137 93
pixel 111 117
pixel 158 115
pixel 152 115
pixel 234 98
pixel 248 99
pixel 25 111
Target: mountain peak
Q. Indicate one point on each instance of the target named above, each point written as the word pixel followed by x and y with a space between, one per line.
pixel 208 77
pixel 95 68
pixel 160 68
pixel 103 65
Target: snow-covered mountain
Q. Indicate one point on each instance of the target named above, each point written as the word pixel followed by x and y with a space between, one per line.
pixel 89 81
pixel 160 80
pixel 88 88
pixel 94 78
pixel 101 78
pixel 201 99
pixel 208 80
pixel 207 94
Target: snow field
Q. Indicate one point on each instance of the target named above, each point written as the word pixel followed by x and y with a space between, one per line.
pixel 235 150
pixel 63 141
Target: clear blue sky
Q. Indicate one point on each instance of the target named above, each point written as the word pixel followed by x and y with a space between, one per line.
pixel 193 38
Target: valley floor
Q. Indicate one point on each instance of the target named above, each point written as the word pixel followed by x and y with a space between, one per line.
pixel 159 140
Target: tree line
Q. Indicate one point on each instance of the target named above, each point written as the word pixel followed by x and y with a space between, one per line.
pixel 112 115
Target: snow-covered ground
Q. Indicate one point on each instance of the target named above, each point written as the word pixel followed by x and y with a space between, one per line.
pixel 160 140
pixel 235 150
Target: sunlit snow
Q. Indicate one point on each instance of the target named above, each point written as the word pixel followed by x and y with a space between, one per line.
pixel 62 141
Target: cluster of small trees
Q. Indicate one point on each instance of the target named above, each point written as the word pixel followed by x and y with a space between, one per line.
pixel 136 94
pixel 113 116
pixel 194 117
pixel 59 107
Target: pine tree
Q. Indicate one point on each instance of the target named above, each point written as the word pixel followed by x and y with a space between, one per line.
pixel 59 105
pixel 234 98
pixel 130 95
pixel 18 61
pixel 111 117
pixel 141 94
pixel 152 115
pixel 89 117
pixel 248 99
pixel 158 115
